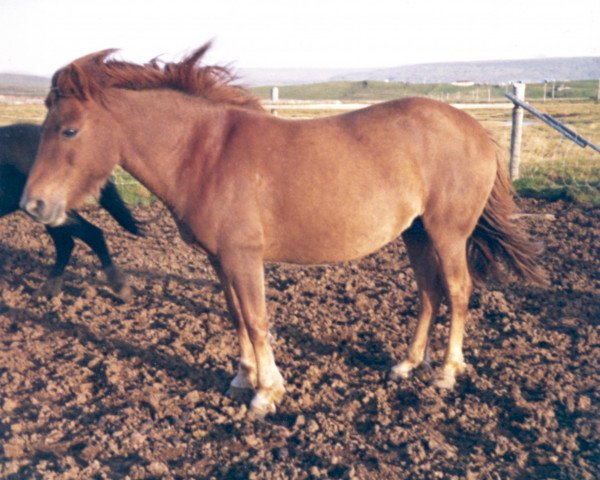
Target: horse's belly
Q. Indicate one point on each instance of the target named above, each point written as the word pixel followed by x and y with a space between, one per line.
pixel 337 208
pixel 332 240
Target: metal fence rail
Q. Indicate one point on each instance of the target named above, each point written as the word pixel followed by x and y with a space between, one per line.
pixel 554 123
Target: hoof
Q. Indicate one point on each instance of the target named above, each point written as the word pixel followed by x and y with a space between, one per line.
pixel 259 412
pixel 51 287
pixel 119 283
pixel 260 407
pixel 445 381
pixel 402 371
pixel 124 294
pixel 406 369
pixel 265 402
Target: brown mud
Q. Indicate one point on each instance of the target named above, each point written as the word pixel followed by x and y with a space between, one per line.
pixel 94 388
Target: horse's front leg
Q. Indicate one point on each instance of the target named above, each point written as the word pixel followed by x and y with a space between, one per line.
pixel 243 271
pixel 246 377
pixel 64 244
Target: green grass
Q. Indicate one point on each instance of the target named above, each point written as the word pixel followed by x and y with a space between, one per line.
pixel 543 187
pixel 380 91
pixel 24 113
pixel 581 90
pixel 132 191
pixel 552 166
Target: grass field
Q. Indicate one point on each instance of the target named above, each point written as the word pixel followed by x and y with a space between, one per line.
pixel 551 166
pixel 378 91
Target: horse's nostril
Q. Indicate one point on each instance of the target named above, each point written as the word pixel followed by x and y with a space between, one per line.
pixel 35 207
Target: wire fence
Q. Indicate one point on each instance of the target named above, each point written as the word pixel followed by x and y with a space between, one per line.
pixel 559 159
pixel 554 166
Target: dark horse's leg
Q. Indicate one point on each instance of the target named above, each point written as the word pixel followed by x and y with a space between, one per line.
pixel 111 201
pixel 11 187
pixel 12 183
pixel 79 227
pixel 63 242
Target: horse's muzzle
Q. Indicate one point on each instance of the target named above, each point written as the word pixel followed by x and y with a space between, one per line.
pixel 48 213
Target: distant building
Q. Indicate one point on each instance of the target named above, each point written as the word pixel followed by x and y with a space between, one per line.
pixel 463 83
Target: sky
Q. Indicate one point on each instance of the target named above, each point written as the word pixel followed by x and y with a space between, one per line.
pixel 40 36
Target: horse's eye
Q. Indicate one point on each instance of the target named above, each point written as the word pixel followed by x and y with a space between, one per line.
pixel 69 132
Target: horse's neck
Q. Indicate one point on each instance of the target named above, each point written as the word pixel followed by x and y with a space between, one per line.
pixel 164 134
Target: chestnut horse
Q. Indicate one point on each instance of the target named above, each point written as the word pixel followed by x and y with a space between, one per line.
pixel 247 187
pixel 18 146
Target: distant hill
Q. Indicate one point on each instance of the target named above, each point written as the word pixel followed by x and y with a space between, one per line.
pixel 488 72
pixel 255 77
pixel 23 80
pixel 22 84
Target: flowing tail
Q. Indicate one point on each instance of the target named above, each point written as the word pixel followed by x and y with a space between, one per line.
pixel 112 202
pixel 498 240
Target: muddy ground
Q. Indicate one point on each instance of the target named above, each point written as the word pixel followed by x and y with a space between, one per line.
pixel 94 388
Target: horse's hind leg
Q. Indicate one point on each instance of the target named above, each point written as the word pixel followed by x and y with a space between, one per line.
pixel 63 242
pixel 429 283
pixel 452 253
pixel 94 238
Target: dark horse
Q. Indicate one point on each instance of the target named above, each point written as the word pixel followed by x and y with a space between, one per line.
pixel 18 146
pixel 247 187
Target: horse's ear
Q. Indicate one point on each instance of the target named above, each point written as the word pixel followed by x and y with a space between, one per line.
pixel 79 86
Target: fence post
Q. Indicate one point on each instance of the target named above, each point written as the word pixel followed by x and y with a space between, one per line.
pixel 275 94
pixel 516 132
pixel 545 83
pixel 274 98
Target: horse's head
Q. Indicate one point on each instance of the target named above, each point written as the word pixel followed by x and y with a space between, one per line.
pixel 78 148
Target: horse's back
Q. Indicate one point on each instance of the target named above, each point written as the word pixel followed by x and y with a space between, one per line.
pixel 458 161
pixel 455 157
pixel 419 140
pixel 344 186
